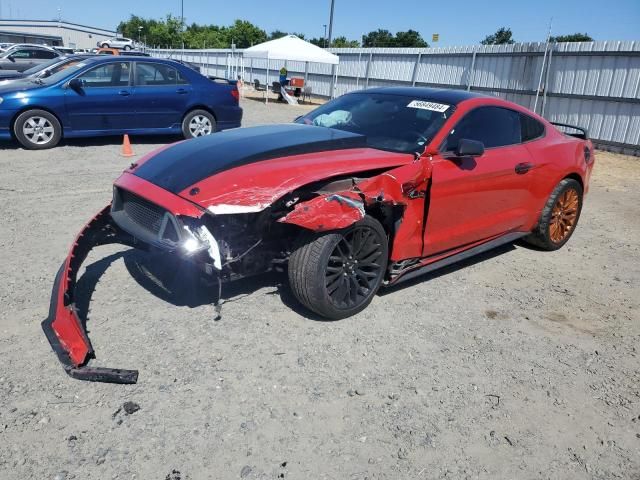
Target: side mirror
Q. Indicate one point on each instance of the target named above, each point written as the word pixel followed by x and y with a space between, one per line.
pixel 76 84
pixel 469 148
pixel 11 58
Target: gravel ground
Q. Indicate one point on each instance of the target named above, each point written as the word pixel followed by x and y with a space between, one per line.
pixel 518 364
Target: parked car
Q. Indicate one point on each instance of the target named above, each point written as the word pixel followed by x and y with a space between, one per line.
pixel 370 189
pixel 107 51
pixel 42 70
pixel 105 95
pixel 22 58
pixel 117 42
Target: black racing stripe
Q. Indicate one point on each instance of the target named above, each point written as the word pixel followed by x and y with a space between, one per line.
pixel 187 163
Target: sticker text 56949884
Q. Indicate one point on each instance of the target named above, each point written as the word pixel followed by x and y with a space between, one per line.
pixel 424 105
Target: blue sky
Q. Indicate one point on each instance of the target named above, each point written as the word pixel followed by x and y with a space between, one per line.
pixel 458 22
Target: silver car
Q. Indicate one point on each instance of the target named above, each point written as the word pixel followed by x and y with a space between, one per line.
pixel 22 58
pixel 117 42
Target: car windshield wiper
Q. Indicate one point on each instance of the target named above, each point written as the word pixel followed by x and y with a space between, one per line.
pixel 39 81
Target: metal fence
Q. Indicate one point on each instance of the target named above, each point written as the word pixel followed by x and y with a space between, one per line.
pixel 595 85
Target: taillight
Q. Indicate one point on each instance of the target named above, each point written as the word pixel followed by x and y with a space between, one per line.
pixel 235 94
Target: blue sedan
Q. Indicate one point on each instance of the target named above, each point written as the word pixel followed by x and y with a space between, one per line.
pixel 116 95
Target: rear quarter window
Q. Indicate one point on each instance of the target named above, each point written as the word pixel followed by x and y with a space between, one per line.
pixel 532 129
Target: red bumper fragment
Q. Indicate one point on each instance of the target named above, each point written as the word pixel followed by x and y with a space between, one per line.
pixel 63 327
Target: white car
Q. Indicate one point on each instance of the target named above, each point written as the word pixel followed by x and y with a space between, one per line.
pixel 117 42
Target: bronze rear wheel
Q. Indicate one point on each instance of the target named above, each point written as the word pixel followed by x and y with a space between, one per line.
pixel 564 215
pixel 559 216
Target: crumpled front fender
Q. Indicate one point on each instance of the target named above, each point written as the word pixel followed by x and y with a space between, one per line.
pixel 63 327
pixel 405 187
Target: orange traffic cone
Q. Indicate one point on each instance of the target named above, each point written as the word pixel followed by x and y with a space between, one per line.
pixel 127 151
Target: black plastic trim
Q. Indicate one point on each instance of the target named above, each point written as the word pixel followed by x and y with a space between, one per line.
pixel 458 257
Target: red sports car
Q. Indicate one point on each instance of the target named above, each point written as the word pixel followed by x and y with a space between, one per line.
pixel 367 190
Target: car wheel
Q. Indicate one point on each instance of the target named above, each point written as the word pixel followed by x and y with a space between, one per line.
pixel 105 45
pixel 336 274
pixel 37 130
pixel 198 123
pixel 559 216
pixel 127 47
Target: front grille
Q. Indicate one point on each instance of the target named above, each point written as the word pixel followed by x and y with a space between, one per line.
pixel 142 212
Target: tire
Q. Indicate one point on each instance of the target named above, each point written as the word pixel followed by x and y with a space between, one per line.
pixel 198 123
pixel 105 45
pixel 559 216
pixel 37 130
pixel 323 278
pixel 127 47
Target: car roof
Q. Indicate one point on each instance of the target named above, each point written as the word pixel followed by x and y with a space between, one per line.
pixel 451 97
pixel 29 45
pixel 125 57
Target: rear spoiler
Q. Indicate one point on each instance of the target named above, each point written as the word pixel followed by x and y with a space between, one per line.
pixel 222 80
pixel 581 132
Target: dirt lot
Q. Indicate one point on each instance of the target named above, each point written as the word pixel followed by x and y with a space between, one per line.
pixel 520 364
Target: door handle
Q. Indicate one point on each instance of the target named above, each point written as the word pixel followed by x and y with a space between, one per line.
pixel 181 91
pixel 124 93
pixel 523 168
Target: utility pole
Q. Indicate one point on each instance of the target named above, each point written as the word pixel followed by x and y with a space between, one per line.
pixel 182 28
pixel 331 22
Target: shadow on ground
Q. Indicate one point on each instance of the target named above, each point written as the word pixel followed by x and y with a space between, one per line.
pixel 181 283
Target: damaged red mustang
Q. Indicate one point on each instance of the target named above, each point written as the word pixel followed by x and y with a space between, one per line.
pixel 367 190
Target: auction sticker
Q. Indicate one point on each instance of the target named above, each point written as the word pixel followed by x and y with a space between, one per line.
pixel 434 107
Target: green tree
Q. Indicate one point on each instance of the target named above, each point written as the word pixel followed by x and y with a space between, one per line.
pixel 379 38
pixel 384 38
pixel 169 32
pixel 574 37
pixel 342 42
pixel 245 34
pixel 319 42
pixel 410 39
pixel 277 34
pixel 501 37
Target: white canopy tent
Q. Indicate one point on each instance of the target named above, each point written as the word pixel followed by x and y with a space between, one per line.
pixel 292 48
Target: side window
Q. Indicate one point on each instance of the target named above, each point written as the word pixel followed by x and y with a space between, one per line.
pixel 531 128
pixel 21 54
pixel 110 75
pixel 182 80
pixel 493 126
pixel 155 74
pixel 43 54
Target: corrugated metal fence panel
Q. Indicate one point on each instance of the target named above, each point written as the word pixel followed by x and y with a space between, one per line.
pixel 592 84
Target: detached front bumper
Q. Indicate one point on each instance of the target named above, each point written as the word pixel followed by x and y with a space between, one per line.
pixel 143 216
pixel 63 327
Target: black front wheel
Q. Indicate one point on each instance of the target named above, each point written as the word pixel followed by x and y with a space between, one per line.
pixel 336 274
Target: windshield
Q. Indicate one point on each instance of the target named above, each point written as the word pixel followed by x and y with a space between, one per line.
pixel 390 122
pixel 63 73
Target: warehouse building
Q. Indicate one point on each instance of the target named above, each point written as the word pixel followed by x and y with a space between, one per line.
pixel 52 32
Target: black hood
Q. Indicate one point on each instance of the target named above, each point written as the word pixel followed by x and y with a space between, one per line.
pixel 186 163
